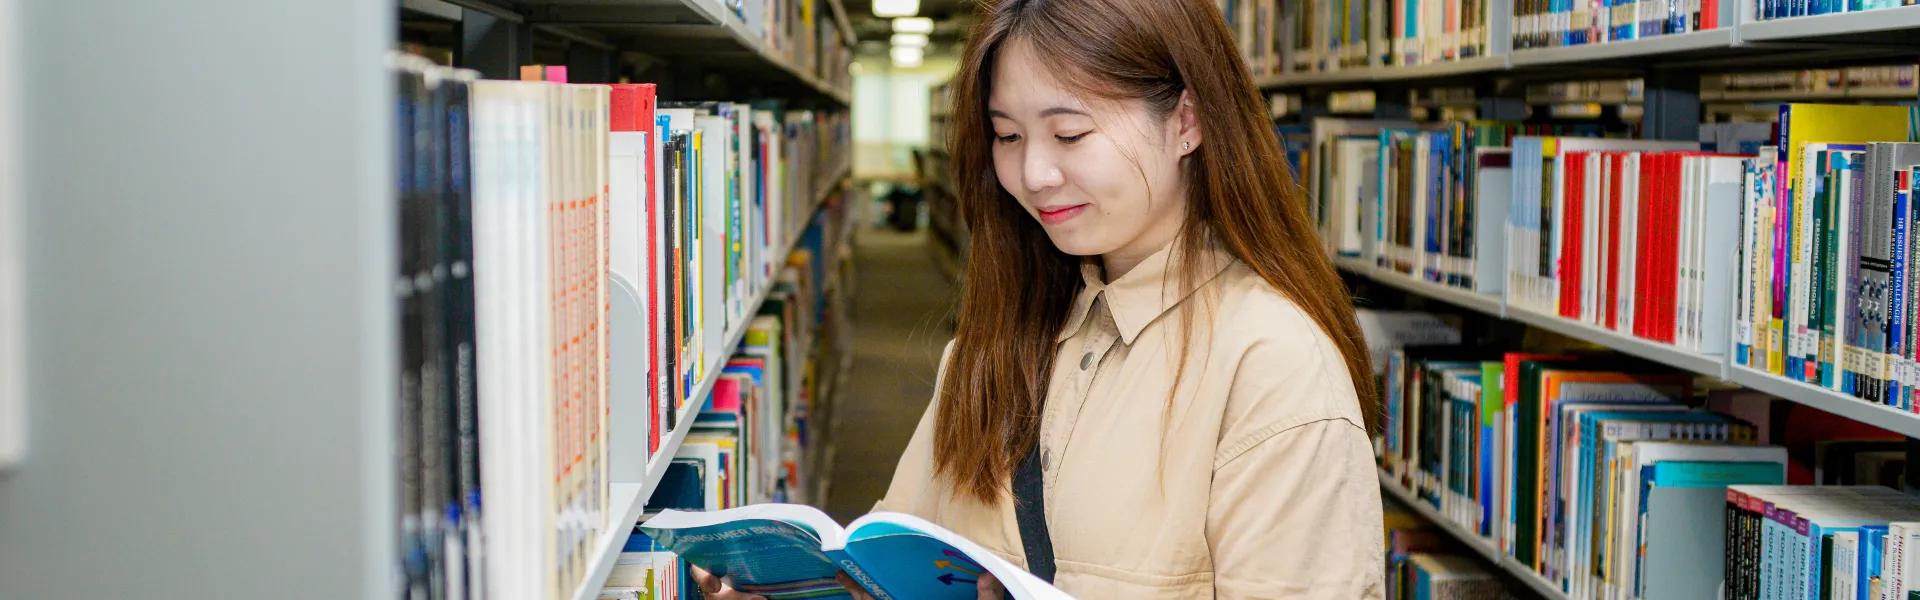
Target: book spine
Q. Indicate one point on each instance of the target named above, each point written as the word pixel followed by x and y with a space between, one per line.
pixel 1911 214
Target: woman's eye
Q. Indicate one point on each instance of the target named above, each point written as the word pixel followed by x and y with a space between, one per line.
pixel 1068 139
pixel 1008 138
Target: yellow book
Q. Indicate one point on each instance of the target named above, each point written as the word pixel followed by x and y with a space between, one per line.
pixel 1801 124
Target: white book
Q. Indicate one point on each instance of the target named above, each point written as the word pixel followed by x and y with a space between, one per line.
pixel 629 154
pixel 1592 223
pixel 1629 242
pixel 715 304
pixel 1494 194
pixel 1846 564
pixel 1354 184
pixel 1717 270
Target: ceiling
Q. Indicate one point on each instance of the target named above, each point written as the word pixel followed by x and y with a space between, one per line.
pixel 951 18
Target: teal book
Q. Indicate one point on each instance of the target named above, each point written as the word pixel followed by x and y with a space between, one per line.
pixel 790 551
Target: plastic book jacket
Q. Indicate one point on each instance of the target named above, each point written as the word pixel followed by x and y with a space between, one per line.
pixel 786 551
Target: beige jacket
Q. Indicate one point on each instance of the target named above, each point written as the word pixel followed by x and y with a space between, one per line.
pixel 1259 482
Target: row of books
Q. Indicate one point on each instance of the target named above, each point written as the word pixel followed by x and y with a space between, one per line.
pixel 1631 235
pixel 1557 23
pixel 1877 81
pixel 749 441
pixel 1824 274
pixel 439 529
pixel 502 303
pixel 1422 562
pixel 1409 197
pixel 1605 476
pixel 1838 542
pixel 1329 35
pixel 525 209
pixel 802 32
pixel 646 571
pixel 1764 10
pixel 704 196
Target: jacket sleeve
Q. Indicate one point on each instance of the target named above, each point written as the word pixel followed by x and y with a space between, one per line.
pixel 1294 509
pixel 1297 515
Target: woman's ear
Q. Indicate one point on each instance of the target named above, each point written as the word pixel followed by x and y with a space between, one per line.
pixel 1189 124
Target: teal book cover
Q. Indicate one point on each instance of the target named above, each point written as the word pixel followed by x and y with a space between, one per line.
pixel 786 551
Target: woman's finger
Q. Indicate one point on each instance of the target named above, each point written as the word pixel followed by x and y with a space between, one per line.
pixel 706 582
pixel 717 588
pixel 989 588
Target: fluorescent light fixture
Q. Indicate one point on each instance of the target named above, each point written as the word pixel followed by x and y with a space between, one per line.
pixel 896 8
pixel 916 40
pixel 913 25
pixel 907 56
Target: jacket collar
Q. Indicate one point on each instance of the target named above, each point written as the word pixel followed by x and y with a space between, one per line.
pixel 1150 290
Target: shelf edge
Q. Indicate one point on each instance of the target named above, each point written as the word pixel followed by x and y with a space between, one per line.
pixel 1486 548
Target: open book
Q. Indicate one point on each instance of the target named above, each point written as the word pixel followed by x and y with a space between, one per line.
pixel 792 551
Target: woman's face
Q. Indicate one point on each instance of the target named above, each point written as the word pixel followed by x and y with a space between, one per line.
pixel 1102 177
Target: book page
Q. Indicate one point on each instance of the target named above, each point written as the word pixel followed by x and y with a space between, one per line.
pixel 913 558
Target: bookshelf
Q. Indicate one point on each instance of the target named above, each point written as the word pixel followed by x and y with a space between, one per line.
pixel 1493 306
pixel 1887 23
pixel 692 36
pixel 631 497
pixel 1742 42
pixel 1679 43
pixel 1473 541
pixel 1463 298
pixel 1673 104
pixel 1470 66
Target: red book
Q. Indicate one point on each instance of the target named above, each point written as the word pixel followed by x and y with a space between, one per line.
pixel 1611 277
pixel 1670 266
pixel 1659 297
pixel 1657 258
pixel 1643 245
pixel 1573 190
pixel 631 108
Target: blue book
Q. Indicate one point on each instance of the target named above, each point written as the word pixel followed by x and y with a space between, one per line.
pixel 1896 293
pixel 1873 543
pixel 790 551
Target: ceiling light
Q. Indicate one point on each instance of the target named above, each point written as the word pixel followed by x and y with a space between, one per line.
pixel 913 25
pixel 906 56
pixel 917 40
pixel 896 8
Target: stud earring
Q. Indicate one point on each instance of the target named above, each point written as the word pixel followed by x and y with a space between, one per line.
pixel 1185 146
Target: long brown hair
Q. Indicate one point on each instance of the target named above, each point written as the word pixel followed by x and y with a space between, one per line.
pixel 1018 287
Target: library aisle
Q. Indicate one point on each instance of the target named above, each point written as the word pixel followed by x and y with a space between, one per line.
pixel 901 313
pixel 549 299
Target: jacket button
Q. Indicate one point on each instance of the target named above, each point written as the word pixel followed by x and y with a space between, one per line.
pixel 1086 360
pixel 1046 459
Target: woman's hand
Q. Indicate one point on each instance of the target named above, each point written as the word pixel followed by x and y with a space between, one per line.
pixel 713 587
pixel 988 588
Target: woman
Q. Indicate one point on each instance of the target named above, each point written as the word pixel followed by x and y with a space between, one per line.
pixel 1156 386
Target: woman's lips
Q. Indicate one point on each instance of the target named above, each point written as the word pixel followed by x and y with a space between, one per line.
pixel 1056 216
